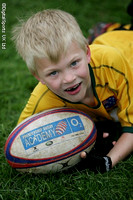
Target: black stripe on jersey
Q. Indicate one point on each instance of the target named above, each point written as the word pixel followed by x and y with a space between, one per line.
pixel 126 81
pixel 107 85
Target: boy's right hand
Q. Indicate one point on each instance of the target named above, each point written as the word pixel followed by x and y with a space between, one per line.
pixel 96 163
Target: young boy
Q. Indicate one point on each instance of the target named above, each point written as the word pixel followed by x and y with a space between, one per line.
pixel 95 79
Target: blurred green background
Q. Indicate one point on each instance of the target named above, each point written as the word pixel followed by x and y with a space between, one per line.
pixel 16 84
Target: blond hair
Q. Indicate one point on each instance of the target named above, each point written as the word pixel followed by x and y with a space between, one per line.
pixel 47 34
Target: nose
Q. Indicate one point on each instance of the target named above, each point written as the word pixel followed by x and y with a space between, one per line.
pixel 68 76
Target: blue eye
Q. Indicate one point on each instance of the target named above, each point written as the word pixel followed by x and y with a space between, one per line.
pixel 53 73
pixel 74 63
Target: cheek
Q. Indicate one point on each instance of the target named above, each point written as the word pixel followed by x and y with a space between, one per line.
pixel 84 71
pixel 53 85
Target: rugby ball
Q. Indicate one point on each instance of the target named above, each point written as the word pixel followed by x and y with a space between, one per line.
pixel 50 141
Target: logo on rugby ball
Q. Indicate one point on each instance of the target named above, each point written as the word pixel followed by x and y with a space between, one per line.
pixel 61 127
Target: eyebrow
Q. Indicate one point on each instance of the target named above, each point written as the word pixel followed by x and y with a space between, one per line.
pixel 76 57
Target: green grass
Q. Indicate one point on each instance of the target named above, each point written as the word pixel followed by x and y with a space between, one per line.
pixel 16 84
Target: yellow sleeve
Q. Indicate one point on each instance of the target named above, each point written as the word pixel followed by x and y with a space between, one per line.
pixel 125 94
pixel 41 99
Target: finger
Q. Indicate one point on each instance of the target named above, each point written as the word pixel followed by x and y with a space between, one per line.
pixel 114 142
pixel 105 135
pixel 83 154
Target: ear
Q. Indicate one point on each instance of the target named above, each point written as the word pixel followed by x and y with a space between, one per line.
pixel 88 54
pixel 38 78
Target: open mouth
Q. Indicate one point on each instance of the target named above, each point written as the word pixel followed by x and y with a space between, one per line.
pixel 73 90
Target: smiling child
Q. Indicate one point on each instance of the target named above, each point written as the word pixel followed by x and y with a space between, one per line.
pixel 95 79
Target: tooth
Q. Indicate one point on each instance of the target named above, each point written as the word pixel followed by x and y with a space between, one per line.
pixel 69 89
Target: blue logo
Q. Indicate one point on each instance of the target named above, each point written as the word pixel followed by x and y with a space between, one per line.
pixel 51 131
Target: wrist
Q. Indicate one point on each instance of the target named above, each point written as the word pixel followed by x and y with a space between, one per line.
pixel 108 163
pixel 97 163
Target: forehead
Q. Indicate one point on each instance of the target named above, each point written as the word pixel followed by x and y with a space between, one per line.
pixel 72 52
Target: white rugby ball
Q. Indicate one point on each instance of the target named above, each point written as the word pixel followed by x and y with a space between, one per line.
pixel 50 141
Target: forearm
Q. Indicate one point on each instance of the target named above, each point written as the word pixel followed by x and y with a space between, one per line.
pixel 122 148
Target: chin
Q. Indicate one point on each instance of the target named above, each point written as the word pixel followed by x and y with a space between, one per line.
pixel 75 100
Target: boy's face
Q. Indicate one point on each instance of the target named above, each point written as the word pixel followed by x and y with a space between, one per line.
pixel 70 77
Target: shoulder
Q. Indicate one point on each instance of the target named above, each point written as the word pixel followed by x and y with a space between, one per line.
pixel 40 88
pixel 121 41
pixel 115 38
pixel 43 95
pixel 106 55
